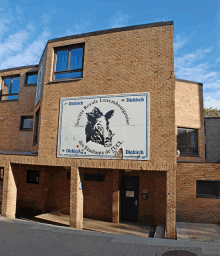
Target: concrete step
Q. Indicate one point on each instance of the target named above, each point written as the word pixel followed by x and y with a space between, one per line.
pixel 160 231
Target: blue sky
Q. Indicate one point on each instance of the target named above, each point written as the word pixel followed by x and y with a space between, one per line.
pixel 25 27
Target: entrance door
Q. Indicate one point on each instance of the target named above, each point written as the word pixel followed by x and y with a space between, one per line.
pixel 129 198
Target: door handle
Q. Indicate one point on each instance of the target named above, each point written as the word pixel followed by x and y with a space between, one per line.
pixel 136 202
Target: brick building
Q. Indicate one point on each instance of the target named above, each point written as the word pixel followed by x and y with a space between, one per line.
pixel 117 67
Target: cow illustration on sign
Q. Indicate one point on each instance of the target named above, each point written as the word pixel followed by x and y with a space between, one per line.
pixel 97 127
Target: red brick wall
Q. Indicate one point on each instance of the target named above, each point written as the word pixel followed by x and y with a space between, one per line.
pixel 189 114
pixel 190 208
pixel 98 196
pixel 11 139
pixel 51 194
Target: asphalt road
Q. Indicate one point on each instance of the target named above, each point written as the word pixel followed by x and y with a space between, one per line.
pixel 19 238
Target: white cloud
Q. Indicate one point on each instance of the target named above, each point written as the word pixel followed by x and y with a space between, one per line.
pixel 179 43
pixel 4 22
pixel 188 59
pixel 210 102
pixel 191 66
pixel 20 53
pixel 120 20
pixel 13 43
pixel 22 47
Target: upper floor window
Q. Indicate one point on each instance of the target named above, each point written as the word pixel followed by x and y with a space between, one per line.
pixel 31 78
pixel 187 141
pixel 69 62
pixel 10 88
pixel 26 123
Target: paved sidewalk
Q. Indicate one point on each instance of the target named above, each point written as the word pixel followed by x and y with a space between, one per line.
pixel 19 237
pixel 201 232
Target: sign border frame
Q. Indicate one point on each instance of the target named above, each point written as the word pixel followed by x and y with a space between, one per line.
pixel 99 157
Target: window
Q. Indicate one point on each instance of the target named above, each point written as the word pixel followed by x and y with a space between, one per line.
pixel 69 62
pixel 36 122
pixel 187 141
pixel 10 88
pixel 26 123
pixel 68 175
pixel 94 176
pixel 31 78
pixel 33 177
pixel 205 127
pixel 208 188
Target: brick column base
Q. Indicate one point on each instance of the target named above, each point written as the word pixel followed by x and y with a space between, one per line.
pixel 9 193
pixel 171 204
pixel 115 197
pixel 76 199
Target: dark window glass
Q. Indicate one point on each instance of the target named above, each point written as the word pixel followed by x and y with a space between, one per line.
pixel 32 79
pixel 182 137
pixel 68 175
pixel 94 177
pixel 36 122
pixel 33 177
pixel 187 141
pixel 10 88
pixel 26 123
pixel 207 188
pixel 69 62
pixel 62 59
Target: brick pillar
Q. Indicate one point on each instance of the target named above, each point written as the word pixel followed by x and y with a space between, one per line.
pixel 76 199
pixel 115 197
pixel 9 193
pixel 171 204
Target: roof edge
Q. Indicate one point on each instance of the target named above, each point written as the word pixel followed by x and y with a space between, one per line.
pixel 112 30
pixel 95 33
pixel 188 81
pixel 18 68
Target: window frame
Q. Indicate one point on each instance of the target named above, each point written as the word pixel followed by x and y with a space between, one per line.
pixel 187 147
pixel 28 177
pixel 206 195
pixel 69 48
pixel 22 118
pixel 10 94
pixel 30 74
pixel 36 126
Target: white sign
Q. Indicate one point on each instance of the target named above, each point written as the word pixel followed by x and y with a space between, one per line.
pixel 105 127
pixel 129 193
pixel 39 84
